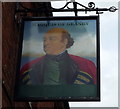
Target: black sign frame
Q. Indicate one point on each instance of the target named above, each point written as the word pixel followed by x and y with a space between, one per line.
pixel 17 95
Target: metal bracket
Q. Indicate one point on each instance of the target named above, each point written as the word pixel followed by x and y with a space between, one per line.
pixel 90 8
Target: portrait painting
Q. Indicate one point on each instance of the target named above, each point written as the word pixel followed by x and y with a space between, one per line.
pixel 59 59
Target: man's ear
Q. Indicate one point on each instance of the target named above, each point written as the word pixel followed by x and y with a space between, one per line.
pixel 65 41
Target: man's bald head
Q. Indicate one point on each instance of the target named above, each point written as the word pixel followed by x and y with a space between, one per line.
pixel 56 40
pixel 65 35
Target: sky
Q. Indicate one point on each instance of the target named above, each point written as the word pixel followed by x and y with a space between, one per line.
pixel 108 54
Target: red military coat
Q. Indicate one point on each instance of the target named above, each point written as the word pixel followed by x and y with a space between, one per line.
pixel 86 73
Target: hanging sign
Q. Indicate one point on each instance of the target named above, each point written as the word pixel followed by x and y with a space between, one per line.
pixel 59 59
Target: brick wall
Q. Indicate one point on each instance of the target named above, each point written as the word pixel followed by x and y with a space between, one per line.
pixel 10 44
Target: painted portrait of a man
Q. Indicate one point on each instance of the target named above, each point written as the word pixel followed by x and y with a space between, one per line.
pixel 57 66
pixel 59 59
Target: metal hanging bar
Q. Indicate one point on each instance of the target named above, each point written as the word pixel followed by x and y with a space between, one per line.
pixel 91 7
pixel 22 11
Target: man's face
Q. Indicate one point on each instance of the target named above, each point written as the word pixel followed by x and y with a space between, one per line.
pixel 53 43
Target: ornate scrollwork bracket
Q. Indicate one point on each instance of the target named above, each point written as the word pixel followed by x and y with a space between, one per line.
pixel 90 8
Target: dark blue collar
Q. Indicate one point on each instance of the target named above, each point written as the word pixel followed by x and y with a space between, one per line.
pixel 57 57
